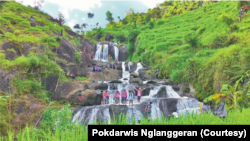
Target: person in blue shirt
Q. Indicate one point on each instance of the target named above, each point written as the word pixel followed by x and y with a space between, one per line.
pixel 148 110
pixel 61 33
pixel 31 18
pixel 130 98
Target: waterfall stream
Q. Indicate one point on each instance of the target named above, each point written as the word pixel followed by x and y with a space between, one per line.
pixel 181 105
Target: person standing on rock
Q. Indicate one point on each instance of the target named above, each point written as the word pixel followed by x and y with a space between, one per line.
pixel 104 97
pixel 124 97
pixel 139 92
pixel 156 72
pixel 130 98
pixel 93 69
pixel 116 64
pixel 148 110
pixel 117 97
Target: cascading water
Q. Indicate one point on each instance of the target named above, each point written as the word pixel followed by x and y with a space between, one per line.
pixel 125 74
pixel 102 53
pixel 180 105
pixel 116 53
pixel 139 66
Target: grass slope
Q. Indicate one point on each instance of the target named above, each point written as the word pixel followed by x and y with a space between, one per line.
pixel 206 47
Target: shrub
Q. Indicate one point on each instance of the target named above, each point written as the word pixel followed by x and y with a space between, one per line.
pixel 10 36
pixel 227 19
pixel 19 9
pixel 151 24
pixel 4 22
pixel 25 24
pixel 160 22
pixel 33 29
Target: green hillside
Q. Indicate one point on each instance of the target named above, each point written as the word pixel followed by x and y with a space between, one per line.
pixel 206 47
pixel 28 69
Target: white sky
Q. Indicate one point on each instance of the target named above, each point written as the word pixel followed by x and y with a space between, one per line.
pixel 66 6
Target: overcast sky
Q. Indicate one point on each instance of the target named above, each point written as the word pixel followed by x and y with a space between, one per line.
pixel 75 11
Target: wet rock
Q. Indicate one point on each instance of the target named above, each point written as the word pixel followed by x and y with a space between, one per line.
pixel 101 86
pixel 176 88
pixel 168 106
pixel 146 91
pixel 116 110
pixel 1 32
pixel 115 81
pixel 162 93
pixel 123 55
pixel 151 82
pixel 134 75
pixel 26 49
pixel 135 80
pixel 169 82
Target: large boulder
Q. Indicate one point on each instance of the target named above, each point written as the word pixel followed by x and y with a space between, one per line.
pixel 69 91
pixel 11 51
pixel 135 80
pixel 133 68
pixel 134 75
pixel 101 86
pixel 144 75
pixel 162 93
pixel 123 55
pixel 50 83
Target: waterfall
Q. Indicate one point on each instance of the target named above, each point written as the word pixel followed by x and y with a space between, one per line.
pixel 125 74
pixel 171 93
pixel 101 53
pixel 139 66
pixel 116 53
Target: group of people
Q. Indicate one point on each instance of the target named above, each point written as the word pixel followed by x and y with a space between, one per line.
pixel 97 68
pixel 241 12
pixel 125 96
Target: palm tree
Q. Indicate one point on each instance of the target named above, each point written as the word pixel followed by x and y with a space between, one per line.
pixel 97 24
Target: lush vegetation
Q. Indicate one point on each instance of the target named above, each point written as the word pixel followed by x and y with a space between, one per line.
pixel 204 45
pixel 67 130
pixel 28 70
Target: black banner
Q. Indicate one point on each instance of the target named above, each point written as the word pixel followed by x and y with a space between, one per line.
pixel 149 132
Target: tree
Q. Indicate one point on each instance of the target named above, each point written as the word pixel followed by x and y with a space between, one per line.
pixel 90 15
pixel 109 16
pixel 97 24
pixel 61 18
pixel 78 28
pixel 156 13
pixel 119 18
pixel 38 4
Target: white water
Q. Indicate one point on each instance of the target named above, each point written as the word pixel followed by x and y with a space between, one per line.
pixel 102 53
pixel 125 74
pixel 171 93
pixel 184 105
pixel 139 66
pixel 116 53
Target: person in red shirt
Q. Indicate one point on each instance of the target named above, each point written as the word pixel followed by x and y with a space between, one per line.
pixel 104 97
pixel 117 97
pixel 246 8
pixel 124 97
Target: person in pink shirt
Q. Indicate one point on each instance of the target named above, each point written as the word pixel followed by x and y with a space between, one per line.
pixel 139 92
pixel 246 7
pixel 124 96
pixel 117 97
pixel 104 97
